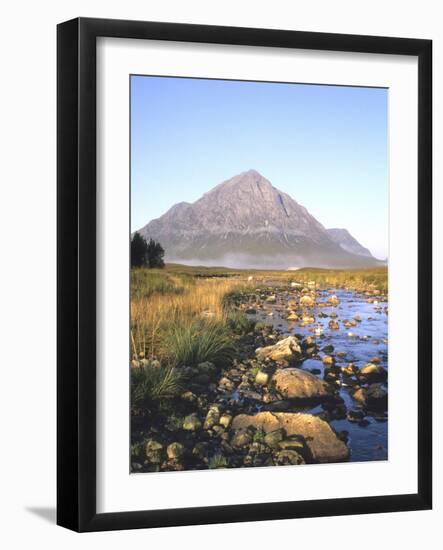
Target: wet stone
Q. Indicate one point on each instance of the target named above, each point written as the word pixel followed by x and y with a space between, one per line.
pixel 212 417
pixel 328 360
pixel 225 420
pixel 261 378
pixel 288 457
pixel 192 422
pixel 241 439
pixel 355 415
pixel 175 451
pixel 153 451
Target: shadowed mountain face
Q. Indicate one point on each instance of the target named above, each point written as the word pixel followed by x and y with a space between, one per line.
pixel 246 222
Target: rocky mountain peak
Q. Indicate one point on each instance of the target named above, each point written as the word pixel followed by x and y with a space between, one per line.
pixel 247 222
pixel 250 181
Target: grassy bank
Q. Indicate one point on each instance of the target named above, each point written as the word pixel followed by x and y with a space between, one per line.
pixel 356 279
pixel 177 314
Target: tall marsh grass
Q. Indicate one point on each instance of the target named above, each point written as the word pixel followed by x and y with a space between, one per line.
pixel 355 279
pixel 146 282
pixel 169 309
pixel 361 279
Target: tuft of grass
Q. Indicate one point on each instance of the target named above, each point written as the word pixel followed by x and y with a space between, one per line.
pixel 198 341
pixel 151 384
pixel 259 436
pixel 217 461
pixel 239 322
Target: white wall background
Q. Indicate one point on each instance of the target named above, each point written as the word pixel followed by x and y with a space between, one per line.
pixel 27 289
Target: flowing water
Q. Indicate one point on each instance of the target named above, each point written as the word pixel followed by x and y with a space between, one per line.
pixel 361 343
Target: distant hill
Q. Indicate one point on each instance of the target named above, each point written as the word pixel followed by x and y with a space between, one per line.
pixel 247 222
pixel 343 238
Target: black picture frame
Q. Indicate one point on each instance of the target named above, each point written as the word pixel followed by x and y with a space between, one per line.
pixel 76 265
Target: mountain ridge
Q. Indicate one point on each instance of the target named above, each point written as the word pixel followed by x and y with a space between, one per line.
pixel 247 222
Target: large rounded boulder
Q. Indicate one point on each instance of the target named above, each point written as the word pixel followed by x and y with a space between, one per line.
pixel 294 383
pixel 322 441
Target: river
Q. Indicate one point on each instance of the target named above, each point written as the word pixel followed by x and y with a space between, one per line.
pixel 360 343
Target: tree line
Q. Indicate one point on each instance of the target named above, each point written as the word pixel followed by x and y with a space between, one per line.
pixel 146 254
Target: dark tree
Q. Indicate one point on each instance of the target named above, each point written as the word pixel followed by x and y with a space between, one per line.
pixel 155 254
pixel 139 251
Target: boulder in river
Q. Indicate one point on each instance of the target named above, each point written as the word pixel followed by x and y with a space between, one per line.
pixel 307 301
pixel 355 415
pixel 349 370
pixel 333 300
pixel 328 349
pixel 373 373
pixel 374 397
pixel 328 360
pixel 287 349
pixel 295 383
pixel 307 320
pixel 320 438
pixel 309 345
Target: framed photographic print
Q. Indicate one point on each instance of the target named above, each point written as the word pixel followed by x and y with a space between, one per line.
pixel 244 274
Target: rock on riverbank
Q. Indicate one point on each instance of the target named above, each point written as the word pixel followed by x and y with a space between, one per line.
pixel 295 383
pixel 287 349
pixel 320 438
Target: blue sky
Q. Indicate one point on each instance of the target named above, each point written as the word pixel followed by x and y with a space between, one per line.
pixel 326 146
